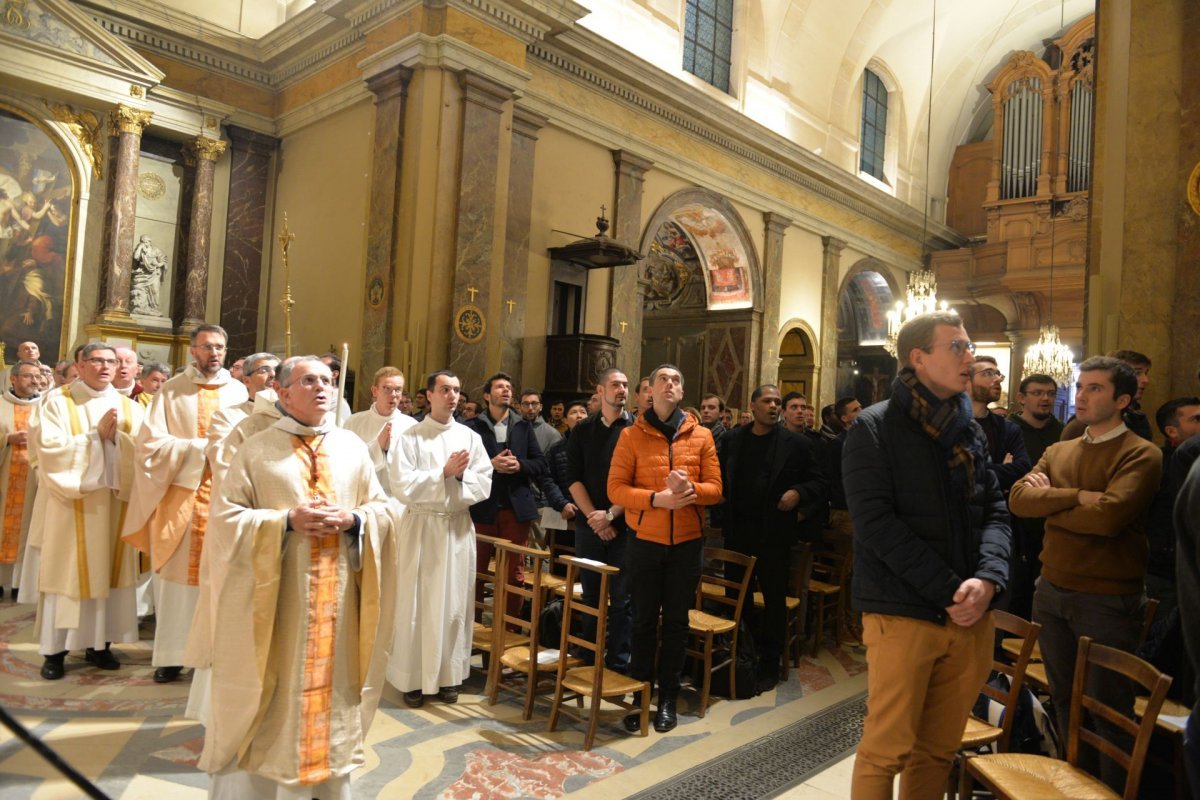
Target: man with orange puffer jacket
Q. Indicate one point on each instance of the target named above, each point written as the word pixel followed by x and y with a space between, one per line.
pixel 663 469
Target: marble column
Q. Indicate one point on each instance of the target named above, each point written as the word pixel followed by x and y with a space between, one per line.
pixel 526 125
pixel 475 237
pixel 625 299
pixel 390 89
pixel 250 156
pixel 775 227
pixel 126 124
pixel 831 265
pixel 204 151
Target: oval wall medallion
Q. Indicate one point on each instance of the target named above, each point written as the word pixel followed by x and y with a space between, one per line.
pixel 151 186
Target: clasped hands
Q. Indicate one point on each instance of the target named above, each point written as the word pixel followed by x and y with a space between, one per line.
pixel 318 518
pixel 971 601
pixel 679 492
pixel 506 463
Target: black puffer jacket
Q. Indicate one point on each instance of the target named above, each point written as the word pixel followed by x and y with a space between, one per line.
pixel 916 540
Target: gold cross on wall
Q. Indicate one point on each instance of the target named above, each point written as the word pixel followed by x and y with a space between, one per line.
pixel 471 290
pixel 510 304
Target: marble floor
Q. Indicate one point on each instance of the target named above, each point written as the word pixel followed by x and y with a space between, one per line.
pixel 127 734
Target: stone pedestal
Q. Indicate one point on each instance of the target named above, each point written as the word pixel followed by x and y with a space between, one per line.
pixel 204 151
pixel 126 124
pixel 250 156
pixel 475 238
pixel 625 308
pixel 831 264
pixel 390 88
pixel 775 228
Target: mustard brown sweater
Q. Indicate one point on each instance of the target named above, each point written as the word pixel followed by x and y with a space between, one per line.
pixel 1098 547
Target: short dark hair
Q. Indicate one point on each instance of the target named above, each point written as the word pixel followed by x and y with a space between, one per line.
pixel 718 398
pixel 1168 412
pixel 79 350
pixel 571 404
pixel 790 396
pixel 758 391
pixel 918 333
pixel 661 367
pixel 603 377
pixel 16 370
pixel 839 407
pixel 989 359
pixel 1132 357
pixel 431 381
pixel 526 392
pixel 95 347
pixel 499 376
pixel 1124 379
pixel 1036 377
pixel 207 327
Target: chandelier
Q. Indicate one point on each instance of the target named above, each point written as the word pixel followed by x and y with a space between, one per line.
pixel 1049 356
pixel 922 299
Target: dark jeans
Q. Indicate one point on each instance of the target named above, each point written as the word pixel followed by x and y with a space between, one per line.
pixel 505 527
pixel 771 575
pixel 620 613
pixel 1112 620
pixel 663 578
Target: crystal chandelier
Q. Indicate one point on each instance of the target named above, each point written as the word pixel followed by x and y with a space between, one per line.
pixel 922 299
pixel 1049 356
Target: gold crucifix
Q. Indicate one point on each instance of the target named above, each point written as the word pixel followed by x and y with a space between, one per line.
pixel 510 303
pixel 471 290
pixel 623 325
pixel 285 241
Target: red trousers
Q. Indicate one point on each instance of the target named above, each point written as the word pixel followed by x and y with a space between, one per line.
pixel 508 528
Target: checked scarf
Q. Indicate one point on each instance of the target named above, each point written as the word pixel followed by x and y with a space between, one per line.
pixel 947 422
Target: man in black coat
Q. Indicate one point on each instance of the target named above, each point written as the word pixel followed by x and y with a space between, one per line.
pixel 775 494
pixel 516 461
pixel 931 545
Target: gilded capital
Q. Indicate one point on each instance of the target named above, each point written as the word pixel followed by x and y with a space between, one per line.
pixel 208 148
pixel 126 119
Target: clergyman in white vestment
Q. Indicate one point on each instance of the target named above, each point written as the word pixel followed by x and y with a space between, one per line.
pixel 381 424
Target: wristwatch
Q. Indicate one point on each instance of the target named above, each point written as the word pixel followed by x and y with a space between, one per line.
pixel 608 515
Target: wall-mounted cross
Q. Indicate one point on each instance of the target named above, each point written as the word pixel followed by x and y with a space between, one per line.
pixel 623 325
pixel 471 290
pixel 510 304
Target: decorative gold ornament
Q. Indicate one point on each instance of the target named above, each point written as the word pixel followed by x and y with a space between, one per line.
pixel 127 119
pixel 15 14
pixel 469 324
pixel 151 186
pixel 207 148
pixel 1193 189
pixel 285 242
pixel 85 126
pixel 375 292
pixel 136 91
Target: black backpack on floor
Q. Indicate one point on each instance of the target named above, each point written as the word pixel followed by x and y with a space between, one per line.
pixel 746 664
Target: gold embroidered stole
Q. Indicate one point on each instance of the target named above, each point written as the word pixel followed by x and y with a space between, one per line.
pixel 14 492
pixel 208 400
pixel 317 695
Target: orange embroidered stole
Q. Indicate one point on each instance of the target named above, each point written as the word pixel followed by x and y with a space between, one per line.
pixel 208 400
pixel 14 492
pixel 317 695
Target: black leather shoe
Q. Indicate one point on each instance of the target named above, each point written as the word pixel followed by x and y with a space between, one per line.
pixel 52 668
pixel 448 694
pixel 414 699
pixel 633 722
pixel 665 720
pixel 167 674
pixel 104 659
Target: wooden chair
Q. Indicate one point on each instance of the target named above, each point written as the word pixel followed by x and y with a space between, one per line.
pixel 978 732
pixel 488 615
pixel 706 627
pixel 519 649
pixel 827 595
pixel 595 682
pixel 796 617
pixel 1019 775
pixel 1173 734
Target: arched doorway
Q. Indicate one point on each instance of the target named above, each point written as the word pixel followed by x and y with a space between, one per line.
pixel 797 363
pixel 864 369
pixel 701 308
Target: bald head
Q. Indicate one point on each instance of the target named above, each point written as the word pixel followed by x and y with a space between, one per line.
pixel 127 368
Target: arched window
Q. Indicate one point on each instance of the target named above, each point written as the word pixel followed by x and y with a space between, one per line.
pixel 708 40
pixel 874 126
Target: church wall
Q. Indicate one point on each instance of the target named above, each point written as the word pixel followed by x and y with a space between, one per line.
pixel 800 293
pixel 323 187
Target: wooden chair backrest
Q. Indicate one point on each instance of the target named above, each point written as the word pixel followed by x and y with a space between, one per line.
pixel 716 562
pixel 534 593
pixel 1027 632
pixel 830 567
pixel 484 575
pixel 1152 681
pixel 1149 611
pixel 802 569
pixel 573 606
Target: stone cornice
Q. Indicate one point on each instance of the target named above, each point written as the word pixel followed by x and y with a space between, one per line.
pixel 578 54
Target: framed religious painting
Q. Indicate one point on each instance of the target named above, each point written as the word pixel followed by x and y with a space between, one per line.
pixel 38 201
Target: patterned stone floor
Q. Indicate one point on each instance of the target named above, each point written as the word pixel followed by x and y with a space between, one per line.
pixel 126 733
